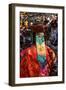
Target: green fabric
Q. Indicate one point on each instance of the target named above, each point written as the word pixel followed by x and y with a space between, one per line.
pixel 41 58
pixel 40 40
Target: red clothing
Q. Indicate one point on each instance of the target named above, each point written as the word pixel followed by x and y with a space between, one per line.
pixel 29 65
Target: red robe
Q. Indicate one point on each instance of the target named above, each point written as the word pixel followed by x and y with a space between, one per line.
pixel 29 65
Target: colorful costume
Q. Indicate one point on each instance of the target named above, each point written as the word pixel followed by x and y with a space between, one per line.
pixel 31 67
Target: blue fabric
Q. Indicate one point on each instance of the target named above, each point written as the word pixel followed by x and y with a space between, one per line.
pixel 41 59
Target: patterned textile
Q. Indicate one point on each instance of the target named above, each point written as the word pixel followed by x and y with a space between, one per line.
pixel 41 50
pixel 31 67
